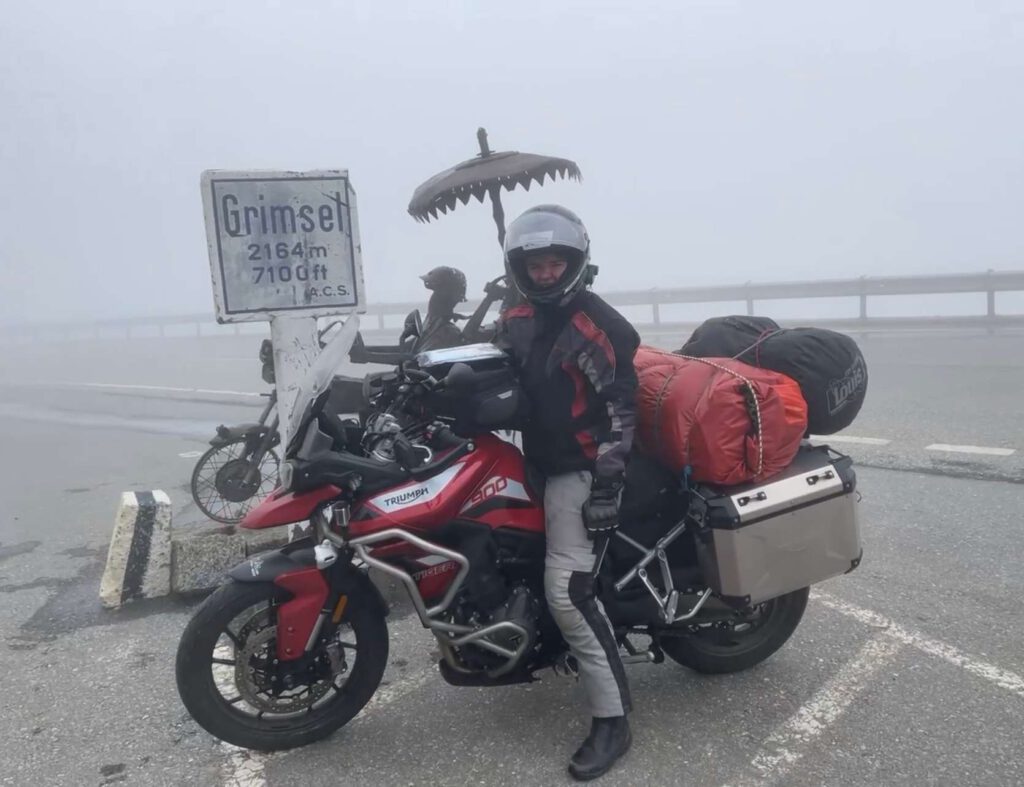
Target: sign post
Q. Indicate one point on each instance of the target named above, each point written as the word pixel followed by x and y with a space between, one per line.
pixel 284 247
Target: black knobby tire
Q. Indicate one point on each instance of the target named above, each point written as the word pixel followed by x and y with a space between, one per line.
pixel 212 710
pixel 718 650
pixel 203 483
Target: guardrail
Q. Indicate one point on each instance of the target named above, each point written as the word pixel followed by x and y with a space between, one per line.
pixel 990 283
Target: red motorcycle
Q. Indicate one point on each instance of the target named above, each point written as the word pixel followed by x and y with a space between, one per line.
pixel 295 643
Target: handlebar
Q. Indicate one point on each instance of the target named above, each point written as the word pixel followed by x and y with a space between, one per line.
pixel 462 448
pixel 338 468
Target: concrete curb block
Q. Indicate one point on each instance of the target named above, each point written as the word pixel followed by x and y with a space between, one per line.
pixel 201 559
pixel 139 558
pixel 148 559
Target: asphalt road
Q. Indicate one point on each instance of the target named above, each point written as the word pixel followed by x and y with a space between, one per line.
pixel 908 671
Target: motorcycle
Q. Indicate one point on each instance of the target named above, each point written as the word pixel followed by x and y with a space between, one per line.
pixel 295 643
pixel 240 468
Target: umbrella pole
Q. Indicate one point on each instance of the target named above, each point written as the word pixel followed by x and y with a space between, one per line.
pixel 512 294
pixel 498 212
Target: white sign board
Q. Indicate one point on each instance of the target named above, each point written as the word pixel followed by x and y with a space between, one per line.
pixel 282 243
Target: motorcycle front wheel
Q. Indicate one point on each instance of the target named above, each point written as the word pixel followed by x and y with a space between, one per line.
pixel 231 683
pixel 736 645
pixel 222 485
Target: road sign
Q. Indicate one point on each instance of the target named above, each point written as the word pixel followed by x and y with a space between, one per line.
pixel 282 244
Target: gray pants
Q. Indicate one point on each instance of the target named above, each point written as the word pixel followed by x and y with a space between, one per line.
pixel 569 591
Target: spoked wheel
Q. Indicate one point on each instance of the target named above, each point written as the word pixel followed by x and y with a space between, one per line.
pixel 735 645
pixel 223 486
pixel 231 682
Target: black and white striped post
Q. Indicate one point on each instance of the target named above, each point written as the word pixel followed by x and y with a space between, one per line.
pixel 139 558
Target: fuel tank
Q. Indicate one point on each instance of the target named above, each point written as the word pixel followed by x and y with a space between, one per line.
pixel 488 486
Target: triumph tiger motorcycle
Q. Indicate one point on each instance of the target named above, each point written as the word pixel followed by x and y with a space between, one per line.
pixel 419 487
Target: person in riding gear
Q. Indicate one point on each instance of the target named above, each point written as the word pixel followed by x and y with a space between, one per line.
pixel 574 354
pixel 448 289
pixel 448 285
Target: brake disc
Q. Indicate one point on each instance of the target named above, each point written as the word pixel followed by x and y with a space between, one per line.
pixel 230 482
pixel 255 669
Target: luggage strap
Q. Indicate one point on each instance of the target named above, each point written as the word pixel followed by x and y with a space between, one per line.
pixel 767 333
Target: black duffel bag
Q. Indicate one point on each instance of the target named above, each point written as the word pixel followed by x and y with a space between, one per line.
pixel 828 366
pixel 727 337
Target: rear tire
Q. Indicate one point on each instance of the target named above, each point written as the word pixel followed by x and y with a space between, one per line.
pixel 718 650
pixel 202 694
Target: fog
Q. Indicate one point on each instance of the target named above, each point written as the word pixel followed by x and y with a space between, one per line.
pixel 719 142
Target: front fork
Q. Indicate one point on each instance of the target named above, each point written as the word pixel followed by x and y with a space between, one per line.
pixel 320 578
pixel 268 440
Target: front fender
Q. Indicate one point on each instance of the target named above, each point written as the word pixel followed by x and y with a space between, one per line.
pixel 268 566
pixel 299 556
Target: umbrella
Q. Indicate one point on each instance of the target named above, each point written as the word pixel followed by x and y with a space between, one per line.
pixel 486 174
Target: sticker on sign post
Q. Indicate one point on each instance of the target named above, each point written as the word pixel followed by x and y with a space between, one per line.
pixel 282 243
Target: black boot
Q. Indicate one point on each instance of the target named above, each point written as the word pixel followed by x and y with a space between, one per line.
pixel 609 739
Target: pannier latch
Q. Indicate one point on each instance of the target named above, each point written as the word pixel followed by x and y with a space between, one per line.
pixel 828 475
pixel 751 498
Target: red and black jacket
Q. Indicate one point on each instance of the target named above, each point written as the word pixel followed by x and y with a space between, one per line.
pixel 576 369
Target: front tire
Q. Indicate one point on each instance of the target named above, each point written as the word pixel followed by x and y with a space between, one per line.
pixel 733 647
pixel 225 657
pixel 218 481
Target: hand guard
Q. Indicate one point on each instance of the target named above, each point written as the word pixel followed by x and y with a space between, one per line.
pixel 601 511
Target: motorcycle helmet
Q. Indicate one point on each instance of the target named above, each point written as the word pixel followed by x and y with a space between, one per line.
pixel 554 229
pixel 447 281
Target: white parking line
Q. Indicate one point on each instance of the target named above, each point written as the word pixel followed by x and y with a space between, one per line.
pixel 242 768
pixel 970 449
pixel 846 438
pixel 993 674
pixel 790 741
pixel 167 388
pixel 245 768
pixel 128 387
pixel 788 744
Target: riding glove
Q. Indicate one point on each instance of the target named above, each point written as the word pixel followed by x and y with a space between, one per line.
pixel 601 511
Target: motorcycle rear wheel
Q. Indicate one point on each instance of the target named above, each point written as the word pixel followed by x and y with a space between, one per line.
pixel 732 647
pixel 224 665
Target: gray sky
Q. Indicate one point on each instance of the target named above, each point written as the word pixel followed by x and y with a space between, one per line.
pixel 720 141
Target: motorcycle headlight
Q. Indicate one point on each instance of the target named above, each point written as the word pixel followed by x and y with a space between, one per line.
pixel 286 475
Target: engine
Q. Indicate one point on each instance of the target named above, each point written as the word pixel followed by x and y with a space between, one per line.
pixel 514 628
